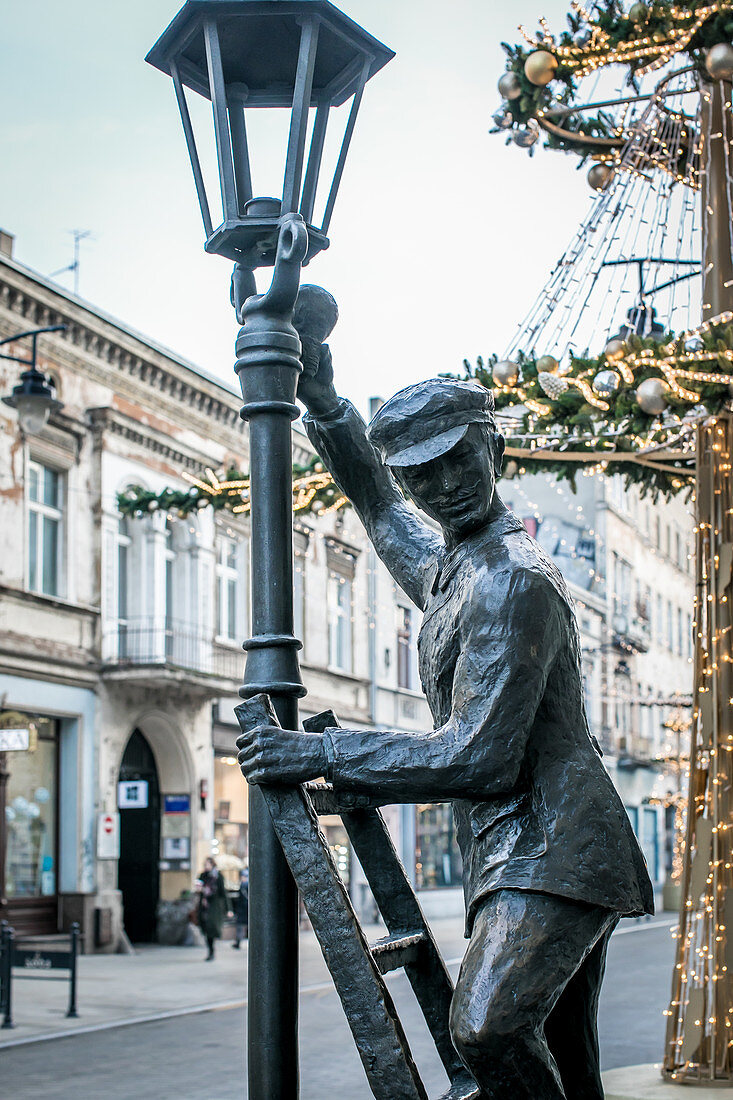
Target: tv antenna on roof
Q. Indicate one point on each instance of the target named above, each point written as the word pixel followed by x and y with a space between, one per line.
pixel 79 235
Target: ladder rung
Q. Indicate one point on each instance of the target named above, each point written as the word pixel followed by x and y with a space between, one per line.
pixel 392 952
pixel 463 1088
pixel 326 801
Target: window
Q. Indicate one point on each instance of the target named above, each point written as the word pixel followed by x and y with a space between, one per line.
pixel 670 627
pixel 301 535
pixel 404 647
pixel 660 618
pixel 227 586
pixel 45 529
pixel 622 586
pixel 124 542
pixel 680 632
pixel 30 810
pixel 339 622
pixel 437 858
pixel 169 557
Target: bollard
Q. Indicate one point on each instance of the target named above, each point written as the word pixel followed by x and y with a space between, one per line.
pixel 8 979
pixel 72 967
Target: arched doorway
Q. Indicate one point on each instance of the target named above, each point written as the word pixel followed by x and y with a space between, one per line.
pixel 138 873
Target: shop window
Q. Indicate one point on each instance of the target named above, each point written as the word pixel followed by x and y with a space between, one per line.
pixel 231 819
pixel 437 857
pixel 45 529
pixel 227 590
pixel 31 817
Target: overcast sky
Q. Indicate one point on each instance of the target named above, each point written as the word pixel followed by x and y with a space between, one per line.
pixel 441 236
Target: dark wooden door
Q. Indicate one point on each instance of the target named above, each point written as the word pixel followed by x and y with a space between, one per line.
pixel 138 872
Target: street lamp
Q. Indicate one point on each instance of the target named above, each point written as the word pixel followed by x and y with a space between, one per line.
pixel 243 55
pixel 307 57
pixel 33 397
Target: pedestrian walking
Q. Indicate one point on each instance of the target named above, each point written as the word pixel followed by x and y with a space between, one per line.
pixel 241 909
pixel 213 904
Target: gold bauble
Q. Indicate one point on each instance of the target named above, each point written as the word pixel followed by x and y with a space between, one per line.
pixel 539 68
pixel 638 13
pixel 614 350
pixel 547 364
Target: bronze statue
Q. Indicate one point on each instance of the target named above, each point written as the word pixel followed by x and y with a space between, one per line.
pixel 550 861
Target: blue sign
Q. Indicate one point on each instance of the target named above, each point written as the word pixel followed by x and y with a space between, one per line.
pixel 176 804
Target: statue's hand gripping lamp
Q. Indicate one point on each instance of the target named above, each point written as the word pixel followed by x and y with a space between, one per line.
pixel 307 57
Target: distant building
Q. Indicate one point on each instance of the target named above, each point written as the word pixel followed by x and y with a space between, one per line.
pixel 628 563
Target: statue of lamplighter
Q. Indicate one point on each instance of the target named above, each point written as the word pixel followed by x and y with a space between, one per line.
pixel 306 57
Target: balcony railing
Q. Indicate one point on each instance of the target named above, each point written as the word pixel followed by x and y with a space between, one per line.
pixel 173 646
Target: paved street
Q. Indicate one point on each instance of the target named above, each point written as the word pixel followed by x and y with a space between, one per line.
pixel 200 1056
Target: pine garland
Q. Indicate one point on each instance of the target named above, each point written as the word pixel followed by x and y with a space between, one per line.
pixel 608 36
pixel 568 421
pixel 314 492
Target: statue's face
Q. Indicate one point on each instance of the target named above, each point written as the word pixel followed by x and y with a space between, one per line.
pixel 457 488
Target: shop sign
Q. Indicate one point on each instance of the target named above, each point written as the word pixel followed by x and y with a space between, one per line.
pixel 108 836
pixel 15 740
pixel 132 794
pixel 177 803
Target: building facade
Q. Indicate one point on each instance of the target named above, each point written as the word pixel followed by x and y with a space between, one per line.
pixel 120 638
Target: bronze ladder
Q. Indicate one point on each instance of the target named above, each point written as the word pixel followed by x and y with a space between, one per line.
pixel 358 967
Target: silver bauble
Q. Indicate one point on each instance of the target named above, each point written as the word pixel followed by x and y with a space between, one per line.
pixel 651 396
pixel 606 382
pixel 539 68
pixel 638 13
pixel 600 175
pixel 153 506
pixel 525 137
pixel 511 469
pixel 202 503
pixel 719 61
pixel 505 373
pixel 503 119
pixel 510 86
pixel 694 344
pixel 547 364
pixel 614 350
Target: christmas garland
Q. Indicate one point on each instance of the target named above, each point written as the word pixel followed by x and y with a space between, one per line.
pixel 638 400
pixel 314 492
pixel 542 74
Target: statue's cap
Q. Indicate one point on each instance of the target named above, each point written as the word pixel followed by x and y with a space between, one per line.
pixel 424 421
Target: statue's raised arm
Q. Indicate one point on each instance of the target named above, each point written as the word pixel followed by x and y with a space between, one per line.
pixel 408 546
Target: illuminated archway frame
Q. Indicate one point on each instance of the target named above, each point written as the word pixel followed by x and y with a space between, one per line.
pixel 597 40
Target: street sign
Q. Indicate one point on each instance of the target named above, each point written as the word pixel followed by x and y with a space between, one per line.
pixel 108 836
pixel 15 740
pixel 132 794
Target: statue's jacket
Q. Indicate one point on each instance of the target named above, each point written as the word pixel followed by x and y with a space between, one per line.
pixel 499 660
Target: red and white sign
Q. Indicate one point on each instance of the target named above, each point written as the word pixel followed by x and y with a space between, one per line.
pixel 108 836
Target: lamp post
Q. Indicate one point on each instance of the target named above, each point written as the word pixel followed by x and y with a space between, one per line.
pixel 306 57
pixel 33 397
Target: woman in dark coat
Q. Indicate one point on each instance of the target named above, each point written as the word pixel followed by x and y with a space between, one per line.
pixel 241 908
pixel 213 904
